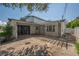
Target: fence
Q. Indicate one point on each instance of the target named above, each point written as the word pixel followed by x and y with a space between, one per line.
pixel 74 32
pixel 69 30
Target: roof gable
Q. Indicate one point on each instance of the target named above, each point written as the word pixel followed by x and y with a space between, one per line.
pixel 34 19
pixel 26 17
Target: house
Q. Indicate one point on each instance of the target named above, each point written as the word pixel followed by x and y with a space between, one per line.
pixel 1 30
pixel 32 25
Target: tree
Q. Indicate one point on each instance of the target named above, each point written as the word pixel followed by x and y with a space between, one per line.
pixel 74 23
pixel 7 31
pixel 0 27
pixel 30 6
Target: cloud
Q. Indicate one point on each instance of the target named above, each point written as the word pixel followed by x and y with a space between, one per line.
pixel 2 23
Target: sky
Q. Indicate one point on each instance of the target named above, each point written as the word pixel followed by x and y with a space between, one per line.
pixel 55 12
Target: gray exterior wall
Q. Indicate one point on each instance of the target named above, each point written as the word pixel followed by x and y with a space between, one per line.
pixel 14 27
pixel 52 33
pixel 63 26
pixel 33 22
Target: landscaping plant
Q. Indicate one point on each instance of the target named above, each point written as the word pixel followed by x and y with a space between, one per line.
pixel 7 31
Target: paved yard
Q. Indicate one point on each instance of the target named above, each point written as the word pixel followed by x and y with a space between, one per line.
pixel 54 45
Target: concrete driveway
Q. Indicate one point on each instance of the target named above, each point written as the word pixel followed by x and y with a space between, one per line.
pixel 55 46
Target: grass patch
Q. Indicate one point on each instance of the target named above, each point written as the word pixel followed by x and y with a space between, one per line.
pixel 77 47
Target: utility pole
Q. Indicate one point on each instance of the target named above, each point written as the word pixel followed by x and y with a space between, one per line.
pixel 65 8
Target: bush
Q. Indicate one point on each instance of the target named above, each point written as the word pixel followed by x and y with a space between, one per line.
pixel 74 23
pixel 2 34
pixel 7 31
pixel 77 47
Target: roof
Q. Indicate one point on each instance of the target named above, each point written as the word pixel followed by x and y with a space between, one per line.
pixel 10 19
pixel 26 17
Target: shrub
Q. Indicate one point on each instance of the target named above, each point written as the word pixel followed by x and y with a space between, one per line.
pixel 77 47
pixel 2 34
pixel 74 23
pixel 7 31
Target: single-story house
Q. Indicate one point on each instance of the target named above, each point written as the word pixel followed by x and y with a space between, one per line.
pixel 1 30
pixel 32 25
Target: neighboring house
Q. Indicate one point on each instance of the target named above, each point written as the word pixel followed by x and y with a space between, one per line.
pixel 2 24
pixel 30 25
pixel 1 30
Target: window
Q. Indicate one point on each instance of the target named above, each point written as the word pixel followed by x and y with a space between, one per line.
pixel 51 28
pixel 37 27
pixel 47 28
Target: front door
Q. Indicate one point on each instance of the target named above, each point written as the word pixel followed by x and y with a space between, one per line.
pixel 23 30
pixel 37 30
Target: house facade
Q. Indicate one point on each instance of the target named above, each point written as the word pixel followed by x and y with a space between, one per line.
pixel 32 25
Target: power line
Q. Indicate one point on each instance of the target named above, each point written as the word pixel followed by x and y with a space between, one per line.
pixel 65 9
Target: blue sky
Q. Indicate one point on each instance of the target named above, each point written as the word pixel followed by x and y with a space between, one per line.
pixel 54 12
